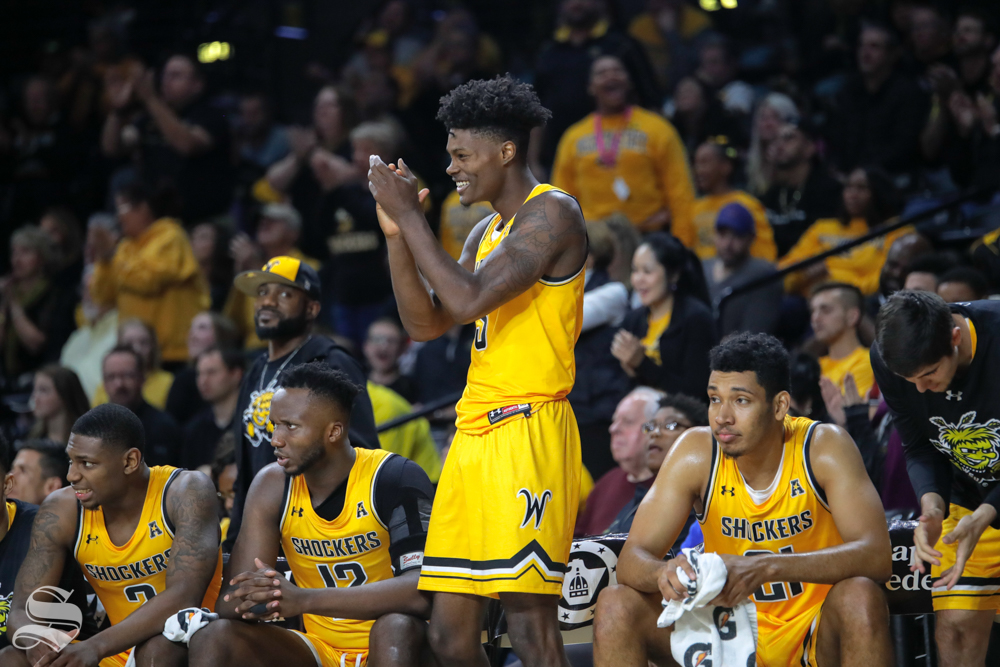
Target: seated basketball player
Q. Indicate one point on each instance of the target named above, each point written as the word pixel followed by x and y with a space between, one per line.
pixel 352 524
pixel 147 540
pixel 787 504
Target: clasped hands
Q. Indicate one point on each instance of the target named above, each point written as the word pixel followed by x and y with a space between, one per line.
pixel 267 586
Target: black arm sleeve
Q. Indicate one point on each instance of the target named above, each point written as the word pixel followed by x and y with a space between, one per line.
pixel 403 497
pixel 930 470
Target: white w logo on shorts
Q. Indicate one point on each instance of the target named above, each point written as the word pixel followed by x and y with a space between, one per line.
pixel 534 506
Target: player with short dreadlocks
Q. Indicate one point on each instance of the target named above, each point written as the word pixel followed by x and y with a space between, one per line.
pixel 503 517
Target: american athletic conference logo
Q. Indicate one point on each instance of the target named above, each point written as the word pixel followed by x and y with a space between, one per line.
pixel 58 620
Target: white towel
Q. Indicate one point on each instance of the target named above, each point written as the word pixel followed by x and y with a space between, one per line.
pixel 181 626
pixel 705 634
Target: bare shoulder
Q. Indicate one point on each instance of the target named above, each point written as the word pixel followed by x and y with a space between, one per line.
pixel 557 209
pixel 551 225
pixel 57 516
pixel 267 489
pixel 468 258
pixel 191 484
pixel 833 452
pixel 689 461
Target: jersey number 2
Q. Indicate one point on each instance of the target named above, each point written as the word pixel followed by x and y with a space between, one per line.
pixel 480 342
pixel 353 572
pixel 133 592
pixel 777 592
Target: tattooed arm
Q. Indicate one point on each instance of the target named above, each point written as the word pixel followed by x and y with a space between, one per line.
pixel 548 238
pixel 52 536
pixel 194 556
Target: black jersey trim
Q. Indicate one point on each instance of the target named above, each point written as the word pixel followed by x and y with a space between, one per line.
pixel 284 505
pixel 163 502
pixel 532 555
pixel 371 491
pixel 79 530
pixel 712 475
pixel 807 464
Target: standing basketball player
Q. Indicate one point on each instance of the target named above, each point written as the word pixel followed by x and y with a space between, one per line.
pixel 503 517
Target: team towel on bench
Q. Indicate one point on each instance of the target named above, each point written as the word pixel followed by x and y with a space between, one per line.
pixel 701 630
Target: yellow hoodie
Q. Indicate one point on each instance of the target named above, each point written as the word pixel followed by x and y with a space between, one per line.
pixel 155 278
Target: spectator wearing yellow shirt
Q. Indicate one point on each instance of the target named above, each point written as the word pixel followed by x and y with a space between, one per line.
pixel 152 273
pixel 836 310
pixel 664 344
pixel 457 221
pixel 624 159
pixel 413 439
pixel 714 166
pixel 869 199
pixel 141 337
pixel 278 232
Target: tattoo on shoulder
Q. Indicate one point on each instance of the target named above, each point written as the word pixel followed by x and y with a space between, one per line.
pixel 542 234
pixel 45 547
pixel 196 532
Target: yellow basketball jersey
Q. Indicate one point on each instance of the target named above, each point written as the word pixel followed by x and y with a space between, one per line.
pixel 351 550
pixel 795 519
pixel 124 577
pixel 523 350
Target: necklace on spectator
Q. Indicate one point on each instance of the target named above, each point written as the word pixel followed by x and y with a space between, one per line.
pixel 260 385
pixel 608 156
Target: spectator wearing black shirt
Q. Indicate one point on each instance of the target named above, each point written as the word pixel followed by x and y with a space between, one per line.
pixel 930 37
pixel 41 154
pixel 207 330
pixel 442 365
pixel 975 158
pixel 935 364
pixel 357 277
pixel 220 373
pixel 878 115
pixel 16 520
pixel 123 378
pixel 803 190
pixel 384 345
pixel 664 344
pixel 36 315
pixel 179 139
pixel 286 297
pixel 562 72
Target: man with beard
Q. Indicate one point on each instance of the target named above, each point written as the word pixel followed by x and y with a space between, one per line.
pixel 352 524
pixel 286 301
pixel 902 253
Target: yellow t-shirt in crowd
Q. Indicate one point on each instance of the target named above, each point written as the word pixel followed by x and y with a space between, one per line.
pixel 154 389
pixel 651 164
pixel 651 341
pixel 857 363
pixel 860 266
pixel 700 234
pixel 413 439
pixel 458 220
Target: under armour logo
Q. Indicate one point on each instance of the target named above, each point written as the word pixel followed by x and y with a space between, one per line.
pixel 534 506
pixel 797 489
pixel 91 538
pixel 154 530
pixel 728 491
pixel 361 510
pixel 297 511
pixel 957 395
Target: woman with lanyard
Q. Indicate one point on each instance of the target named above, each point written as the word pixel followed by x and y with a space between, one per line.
pixel 623 158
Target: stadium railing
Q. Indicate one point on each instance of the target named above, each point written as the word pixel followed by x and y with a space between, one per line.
pixel 424 410
pixel 918 218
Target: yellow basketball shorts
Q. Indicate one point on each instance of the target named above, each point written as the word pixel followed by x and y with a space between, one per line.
pixel 793 642
pixel 505 506
pixel 117 660
pixel 978 589
pixel 328 656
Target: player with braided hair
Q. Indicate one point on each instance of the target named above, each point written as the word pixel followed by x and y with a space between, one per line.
pixel 503 516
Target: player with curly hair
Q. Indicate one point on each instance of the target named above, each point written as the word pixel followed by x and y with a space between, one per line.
pixel 503 516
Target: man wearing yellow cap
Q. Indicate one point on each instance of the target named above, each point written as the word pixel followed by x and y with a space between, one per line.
pixel 286 296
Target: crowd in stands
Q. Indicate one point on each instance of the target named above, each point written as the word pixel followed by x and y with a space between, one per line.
pixel 708 147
